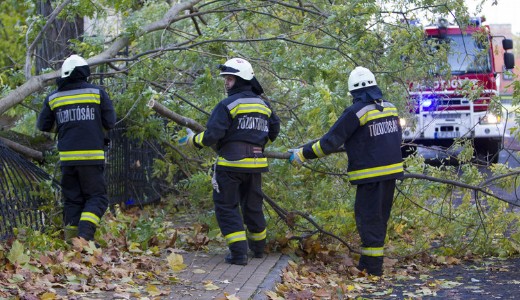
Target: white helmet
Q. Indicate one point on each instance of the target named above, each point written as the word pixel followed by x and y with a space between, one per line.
pixel 238 67
pixel 70 63
pixel 359 78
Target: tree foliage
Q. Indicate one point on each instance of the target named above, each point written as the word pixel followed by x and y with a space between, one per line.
pixel 302 53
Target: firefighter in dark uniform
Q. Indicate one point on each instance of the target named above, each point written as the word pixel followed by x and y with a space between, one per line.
pixel 239 127
pixel 80 112
pixel 370 132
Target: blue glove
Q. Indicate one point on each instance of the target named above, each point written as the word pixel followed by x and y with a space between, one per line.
pixel 297 159
pixel 187 140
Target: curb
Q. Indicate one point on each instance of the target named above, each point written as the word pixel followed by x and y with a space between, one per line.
pixel 271 279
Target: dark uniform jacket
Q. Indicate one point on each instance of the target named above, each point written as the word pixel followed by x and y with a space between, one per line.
pixel 80 111
pixel 239 127
pixel 371 135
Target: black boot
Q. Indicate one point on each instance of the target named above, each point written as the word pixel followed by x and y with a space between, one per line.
pixel 373 265
pixel 257 247
pixel 237 253
pixel 236 259
pixel 86 230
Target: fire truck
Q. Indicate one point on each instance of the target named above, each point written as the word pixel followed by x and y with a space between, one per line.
pixel 454 106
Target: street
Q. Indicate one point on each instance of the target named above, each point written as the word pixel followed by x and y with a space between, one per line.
pixel 509 155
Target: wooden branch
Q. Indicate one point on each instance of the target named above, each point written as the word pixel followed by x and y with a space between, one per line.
pixel 479 188
pixel 183 121
pixel 25 151
pixel 285 216
pixel 193 125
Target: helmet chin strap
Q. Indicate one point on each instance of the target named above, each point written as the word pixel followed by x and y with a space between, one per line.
pixel 379 104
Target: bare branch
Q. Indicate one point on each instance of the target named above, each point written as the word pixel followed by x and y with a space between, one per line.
pixel 30 49
pixel 37 82
pixel 181 120
pixel 25 151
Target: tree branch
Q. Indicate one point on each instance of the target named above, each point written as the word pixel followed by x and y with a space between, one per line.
pixel 30 49
pixel 25 151
pixel 36 83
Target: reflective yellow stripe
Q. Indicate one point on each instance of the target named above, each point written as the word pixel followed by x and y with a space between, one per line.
pixel 235 237
pixel 257 236
pixel 74 99
pixel 244 163
pixel 376 114
pixel 374 251
pixel 198 139
pixel 316 148
pixel 90 217
pixel 250 108
pixel 375 172
pixel 82 155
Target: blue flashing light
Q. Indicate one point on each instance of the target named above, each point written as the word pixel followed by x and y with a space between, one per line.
pixel 427 103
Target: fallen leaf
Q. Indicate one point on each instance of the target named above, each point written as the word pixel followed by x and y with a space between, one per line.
pixel 273 296
pixel 232 297
pixel 209 286
pixel 322 293
pixel 134 248
pixel 176 262
pixel 155 291
pixel 121 296
pixel 48 296
pixel 16 255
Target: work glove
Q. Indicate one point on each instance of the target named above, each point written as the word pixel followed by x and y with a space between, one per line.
pixel 187 140
pixel 297 157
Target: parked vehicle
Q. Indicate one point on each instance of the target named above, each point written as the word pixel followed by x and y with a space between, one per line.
pixel 443 109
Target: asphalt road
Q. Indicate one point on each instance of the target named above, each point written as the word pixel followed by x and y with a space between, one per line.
pixel 510 155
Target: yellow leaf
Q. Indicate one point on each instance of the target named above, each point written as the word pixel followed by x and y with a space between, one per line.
pixel 273 296
pixel 154 291
pixel 399 228
pixel 231 297
pixel 134 248
pixel 210 286
pixel 48 296
pixel 176 262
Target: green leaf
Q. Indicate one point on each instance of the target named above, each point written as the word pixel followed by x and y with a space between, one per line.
pixel 16 255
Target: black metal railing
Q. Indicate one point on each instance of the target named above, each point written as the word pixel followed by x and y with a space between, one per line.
pixel 23 193
pixel 130 170
pixel 129 174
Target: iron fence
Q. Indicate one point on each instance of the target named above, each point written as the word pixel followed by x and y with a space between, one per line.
pixel 25 188
pixel 23 193
pixel 130 170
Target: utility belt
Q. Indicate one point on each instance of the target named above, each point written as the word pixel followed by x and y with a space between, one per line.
pixel 240 150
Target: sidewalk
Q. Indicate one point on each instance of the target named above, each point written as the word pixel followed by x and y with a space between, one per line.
pixel 207 276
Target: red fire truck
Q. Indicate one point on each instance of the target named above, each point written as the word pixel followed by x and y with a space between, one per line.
pixel 444 108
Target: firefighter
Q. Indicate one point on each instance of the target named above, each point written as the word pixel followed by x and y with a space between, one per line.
pixel 239 128
pixel 370 132
pixel 80 113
